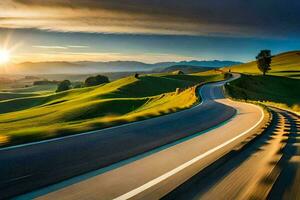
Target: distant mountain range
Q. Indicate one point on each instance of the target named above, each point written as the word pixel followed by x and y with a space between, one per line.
pixel 185 69
pixel 203 63
pixel 87 67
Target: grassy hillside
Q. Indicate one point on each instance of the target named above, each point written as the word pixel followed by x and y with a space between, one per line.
pixel 37 89
pixel 285 64
pixel 11 95
pixel 280 88
pixel 272 90
pixel 125 100
pixel 6 94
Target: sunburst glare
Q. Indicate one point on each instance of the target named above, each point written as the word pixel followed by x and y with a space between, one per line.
pixel 4 56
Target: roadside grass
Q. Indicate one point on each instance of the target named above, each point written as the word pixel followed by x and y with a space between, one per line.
pixel 276 91
pixel 280 88
pixel 125 100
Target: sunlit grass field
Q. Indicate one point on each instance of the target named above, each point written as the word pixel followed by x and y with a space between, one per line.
pixel 285 64
pixel 37 89
pixel 277 91
pixel 280 88
pixel 6 94
pixel 84 109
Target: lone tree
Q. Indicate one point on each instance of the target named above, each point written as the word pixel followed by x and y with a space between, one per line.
pixel 263 60
pixel 178 72
pixel 63 86
pixel 96 80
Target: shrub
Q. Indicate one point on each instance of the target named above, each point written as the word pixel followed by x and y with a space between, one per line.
pixel 96 80
pixel 45 82
pixel 63 86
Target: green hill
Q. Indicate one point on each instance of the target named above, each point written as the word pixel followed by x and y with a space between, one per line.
pixel 273 90
pixel 78 110
pixel 285 64
pixel 37 90
pixel 279 88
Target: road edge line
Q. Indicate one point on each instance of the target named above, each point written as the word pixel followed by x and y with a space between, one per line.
pixel 167 175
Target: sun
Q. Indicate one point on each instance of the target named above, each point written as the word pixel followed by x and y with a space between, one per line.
pixel 4 56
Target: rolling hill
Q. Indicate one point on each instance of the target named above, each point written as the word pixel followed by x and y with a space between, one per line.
pixel 279 88
pixel 272 90
pixel 284 64
pixel 78 110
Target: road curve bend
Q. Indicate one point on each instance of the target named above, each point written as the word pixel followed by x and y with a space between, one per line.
pixel 268 167
pixel 178 144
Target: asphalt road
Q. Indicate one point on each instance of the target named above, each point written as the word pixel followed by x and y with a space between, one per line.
pixel 28 167
pixel 156 174
pixel 266 168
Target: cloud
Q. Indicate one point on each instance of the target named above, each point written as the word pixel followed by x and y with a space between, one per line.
pixel 99 56
pixel 50 47
pixel 188 17
pixel 78 46
pixel 61 47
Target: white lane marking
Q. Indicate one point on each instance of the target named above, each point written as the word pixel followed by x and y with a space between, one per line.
pixel 19 178
pixel 163 177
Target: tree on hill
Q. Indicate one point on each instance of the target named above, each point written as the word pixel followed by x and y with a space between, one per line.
pixel 263 60
pixel 96 80
pixel 63 86
pixel 178 72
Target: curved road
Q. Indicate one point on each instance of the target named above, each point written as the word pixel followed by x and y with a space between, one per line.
pixel 268 167
pixel 31 166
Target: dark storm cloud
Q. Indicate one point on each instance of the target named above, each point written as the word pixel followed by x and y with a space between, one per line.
pixel 193 17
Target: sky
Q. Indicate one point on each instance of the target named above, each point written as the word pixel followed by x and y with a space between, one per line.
pixel 147 30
